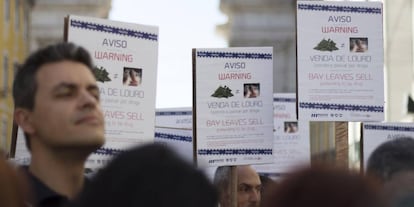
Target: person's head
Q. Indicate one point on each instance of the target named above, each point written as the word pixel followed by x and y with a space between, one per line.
pixel 248 186
pixel 150 175
pixel 393 164
pixel 14 190
pixel 324 186
pixel 391 157
pixel 57 99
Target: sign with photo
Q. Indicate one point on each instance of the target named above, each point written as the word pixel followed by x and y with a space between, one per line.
pixel 233 91
pixel 126 57
pixel 291 138
pixel 374 134
pixel 340 61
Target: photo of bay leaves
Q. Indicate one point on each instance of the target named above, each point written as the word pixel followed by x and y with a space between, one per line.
pixel 326 45
pixel 222 92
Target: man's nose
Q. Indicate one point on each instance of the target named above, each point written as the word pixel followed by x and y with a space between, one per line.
pixel 255 195
pixel 87 100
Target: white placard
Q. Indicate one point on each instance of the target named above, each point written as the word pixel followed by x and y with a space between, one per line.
pixel 180 140
pixel 340 61
pixel 181 118
pixel 22 155
pixel 173 127
pixel 126 55
pixel 233 109
pixel 291 144
pixel 374 134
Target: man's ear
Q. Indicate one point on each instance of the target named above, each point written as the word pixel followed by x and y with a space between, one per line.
pixel 23 118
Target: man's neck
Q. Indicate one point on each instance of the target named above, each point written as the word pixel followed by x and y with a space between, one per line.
pixel 59 171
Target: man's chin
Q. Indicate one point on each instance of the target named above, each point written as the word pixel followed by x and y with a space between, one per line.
pixel 86 146
pixel 253 205
pixel 93 146
pixel 85 150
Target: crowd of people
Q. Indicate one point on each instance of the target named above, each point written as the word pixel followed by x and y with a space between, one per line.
pixel 57 105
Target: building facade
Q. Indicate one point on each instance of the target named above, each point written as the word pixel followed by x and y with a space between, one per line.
pixel 48 17
pixel 14 38
pixel 26 25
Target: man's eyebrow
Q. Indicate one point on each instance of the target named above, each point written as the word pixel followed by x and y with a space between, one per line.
pixel 64 85
pixel 93 87
pixel 249 185
pixel 245 185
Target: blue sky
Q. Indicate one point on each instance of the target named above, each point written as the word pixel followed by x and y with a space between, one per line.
pixel 183 25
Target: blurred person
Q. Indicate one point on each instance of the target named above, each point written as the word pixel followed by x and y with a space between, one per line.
pixel 13 189
pixel 135 78
pixel 131 77
pixel 359 46
pixel 324 186
pixel 251 91
pixel 291 127
pixel 151 175
pixel 57 106
pixel 392 163
pixel 249 186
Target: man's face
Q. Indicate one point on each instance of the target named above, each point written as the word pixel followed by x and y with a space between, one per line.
pixel 248 187
pixel 67 111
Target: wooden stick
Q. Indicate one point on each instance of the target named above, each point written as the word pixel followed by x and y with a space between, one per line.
pixel 233 186
pixel 341 144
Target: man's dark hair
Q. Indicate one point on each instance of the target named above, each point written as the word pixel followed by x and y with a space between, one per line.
pixel 25 85
pixel 391 157
pixel 150 175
